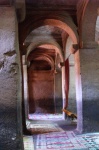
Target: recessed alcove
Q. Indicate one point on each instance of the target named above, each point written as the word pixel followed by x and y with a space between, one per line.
pixel 39 65
pixel 44 82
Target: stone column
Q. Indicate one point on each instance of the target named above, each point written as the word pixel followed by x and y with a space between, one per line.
pixel 10 82
pixel 90 88
pixel 89 62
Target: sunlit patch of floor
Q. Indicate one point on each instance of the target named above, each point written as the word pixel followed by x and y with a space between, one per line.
pixel 28 143
pixel 44 128
pixel 46 123
pixel 43 116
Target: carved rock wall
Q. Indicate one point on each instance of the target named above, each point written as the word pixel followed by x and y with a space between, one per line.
pixel 10 123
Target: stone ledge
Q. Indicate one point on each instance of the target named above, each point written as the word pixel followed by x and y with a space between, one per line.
pixel 90 45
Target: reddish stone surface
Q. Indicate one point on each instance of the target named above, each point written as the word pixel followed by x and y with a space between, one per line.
pixel 52 2
pixel 41 82
pixel 5 2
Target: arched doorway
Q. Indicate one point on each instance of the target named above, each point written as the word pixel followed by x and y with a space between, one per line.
pixel 72 33
pixel 52 50
pixel 41 81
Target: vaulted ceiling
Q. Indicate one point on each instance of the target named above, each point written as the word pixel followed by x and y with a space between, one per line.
pixel 39 10
pixel 35 10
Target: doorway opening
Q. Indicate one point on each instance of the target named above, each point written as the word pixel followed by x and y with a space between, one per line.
pixel 37 75
pixel 41 72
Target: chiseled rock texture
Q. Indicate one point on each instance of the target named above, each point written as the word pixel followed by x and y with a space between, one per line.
pixel 10 97
pixel 90 89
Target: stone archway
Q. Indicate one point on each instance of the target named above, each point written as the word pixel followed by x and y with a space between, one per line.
pixel 41 83
pixel 84 19
pixel 89 54
pixel 69 28
pixel 63 21
pixel 31 48
pixel 46 44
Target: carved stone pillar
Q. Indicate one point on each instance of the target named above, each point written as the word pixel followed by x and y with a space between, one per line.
pixel 10 82
pixel 90 88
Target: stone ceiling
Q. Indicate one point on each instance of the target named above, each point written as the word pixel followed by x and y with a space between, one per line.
pixel 52 2
pixel 42 2
pixel 6 2
pixel 45 31
pixel 35 8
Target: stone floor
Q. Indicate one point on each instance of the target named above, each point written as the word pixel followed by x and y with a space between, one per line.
pixel 42 124
pixel 52 119
pixel 66 140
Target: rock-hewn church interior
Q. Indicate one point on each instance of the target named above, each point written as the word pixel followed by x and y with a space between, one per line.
pixel 49 74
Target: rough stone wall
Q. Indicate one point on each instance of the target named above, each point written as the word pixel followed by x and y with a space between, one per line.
pixel 10 96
